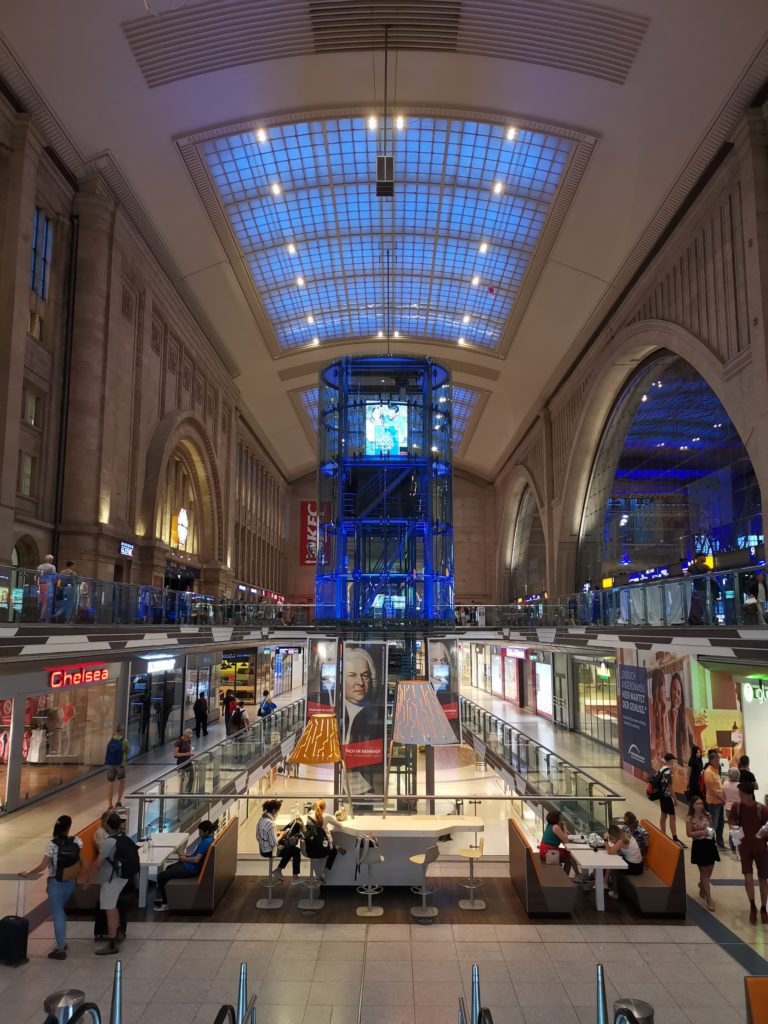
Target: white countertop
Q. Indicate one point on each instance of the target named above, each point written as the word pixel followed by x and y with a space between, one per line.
pixel 398 826
pixel 172 839
pixel 591 859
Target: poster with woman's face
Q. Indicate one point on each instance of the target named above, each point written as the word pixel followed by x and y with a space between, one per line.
pixel 442 668
pixel 670 712
pixel 321 675
pixel 361 712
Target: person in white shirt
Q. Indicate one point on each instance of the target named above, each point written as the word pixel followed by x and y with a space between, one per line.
pixel 61 883
pixel 624 845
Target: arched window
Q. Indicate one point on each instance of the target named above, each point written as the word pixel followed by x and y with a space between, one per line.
pixel 671 477
pixel 528 567
pixel 178 523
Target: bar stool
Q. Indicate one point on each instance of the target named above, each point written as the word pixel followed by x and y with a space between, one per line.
pixel 270 902
pixel 370 888
pixel 313 883
pixel 472 854
pixel 423 913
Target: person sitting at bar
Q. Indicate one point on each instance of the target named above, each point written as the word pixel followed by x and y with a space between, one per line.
pixel 284 841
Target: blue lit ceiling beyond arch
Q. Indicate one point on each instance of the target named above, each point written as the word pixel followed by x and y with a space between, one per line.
pixel 471 200
pixel 464 404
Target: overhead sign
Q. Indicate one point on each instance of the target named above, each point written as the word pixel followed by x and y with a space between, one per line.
pixel 126 549
pixel 77 675
pixel 659 573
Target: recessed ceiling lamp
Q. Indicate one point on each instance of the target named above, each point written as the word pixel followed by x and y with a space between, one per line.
pixel 483 247
pixel 373 123
pixel 315 341
pixel 300 281
pixel 310 319
pixel 475 280
pixel 511 132
pixel 645 398
pixel 261 135
pixel 462 341
pixel 399 122
pixel 465 318
pixel 396 334
pixel 275 188
pixel 380 334
pixel 498 187
pixel 291 249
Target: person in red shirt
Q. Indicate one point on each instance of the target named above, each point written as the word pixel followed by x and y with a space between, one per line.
pixel 752 817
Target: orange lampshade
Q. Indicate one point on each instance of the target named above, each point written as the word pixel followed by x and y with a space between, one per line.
pixel 319 743
pixel 419 716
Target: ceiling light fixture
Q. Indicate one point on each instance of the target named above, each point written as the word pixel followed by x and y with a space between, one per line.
pixel 261 135
pixel 465 318
pixel 291 249
pixel 462 341
pixel 315 341
pixel 275 187
pixel 300 281
pixel 511 132
pixel 399 122
pixel 475 280
pixel 373 123
pixel 498 187
pixel 380 334
pixel 483 247
pixel 396 334
pixel 310 319
pixel 645 398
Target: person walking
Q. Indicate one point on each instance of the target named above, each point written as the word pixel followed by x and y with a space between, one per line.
pixel 752 818
pixel 46 587
pixel 200 711
pixel 732 796
pixel 112 881
pixel 668 800
pixel 182 752
pixel 229 706
pixel 115 757
pixel 270 840
pixel 704 852
pixel 696 766
pixel 61 858
pixel 69 587
pixel 714 796
pixel 189 864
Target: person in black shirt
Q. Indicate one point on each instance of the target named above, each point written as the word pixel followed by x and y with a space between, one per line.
pixel 745 775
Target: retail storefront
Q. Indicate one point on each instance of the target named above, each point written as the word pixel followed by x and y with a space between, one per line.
pixel 54 727
pixel 273 667
pixel 156 701
pixel 597 704
pixel 202 676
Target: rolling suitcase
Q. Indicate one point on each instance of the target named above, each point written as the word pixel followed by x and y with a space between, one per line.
pixel 14 933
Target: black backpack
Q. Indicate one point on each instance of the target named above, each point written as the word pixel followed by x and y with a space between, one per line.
pixel 316 842
pixel 657 785
pixel 67 859
pixel 125 861
pixel 236 718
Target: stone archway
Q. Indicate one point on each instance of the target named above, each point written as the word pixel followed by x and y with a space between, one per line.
pixel 519 483
pixel 629 349
pixel 27 552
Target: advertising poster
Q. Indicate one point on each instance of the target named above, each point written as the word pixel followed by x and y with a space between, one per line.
pixel 321 675
pixel 544 697
pixel 443 670
pixel 670 712
pixel 309 528
pixel 718 720
pixel 361 710
pixel 635 721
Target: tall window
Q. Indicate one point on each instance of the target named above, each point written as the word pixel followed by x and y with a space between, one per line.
pixel 31 408
pixel 42 244
pixel 27 474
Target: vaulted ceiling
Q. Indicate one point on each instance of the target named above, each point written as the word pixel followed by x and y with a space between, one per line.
pixel 540 147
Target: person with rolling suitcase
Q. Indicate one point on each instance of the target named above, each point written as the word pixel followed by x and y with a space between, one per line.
pixel 62 860
pixel 14 934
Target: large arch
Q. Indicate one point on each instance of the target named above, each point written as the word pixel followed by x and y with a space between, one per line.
pixel 630 347
pixel 27 552
pixel 181 431
pixel 519 482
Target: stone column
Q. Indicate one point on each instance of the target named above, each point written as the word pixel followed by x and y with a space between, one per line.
pixel 15 262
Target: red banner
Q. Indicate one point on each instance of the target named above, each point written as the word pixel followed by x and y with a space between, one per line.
pixel 308 532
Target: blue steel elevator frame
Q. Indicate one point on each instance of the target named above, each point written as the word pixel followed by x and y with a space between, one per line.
pixel 385 467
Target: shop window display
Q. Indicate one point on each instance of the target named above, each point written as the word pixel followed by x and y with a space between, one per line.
pixel 671 477
pixel 65 735
pixel 597 699
pixel 154 709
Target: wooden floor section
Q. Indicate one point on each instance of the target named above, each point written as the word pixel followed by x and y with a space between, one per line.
pixel 503 906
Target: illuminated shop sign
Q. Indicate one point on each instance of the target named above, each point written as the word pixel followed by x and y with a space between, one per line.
pixel 515 652
pixel 756 693
pixel 126 549
pixel 77 675
pixel 661 572
pixel 161 665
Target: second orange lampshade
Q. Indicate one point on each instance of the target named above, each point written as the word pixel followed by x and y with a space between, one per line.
pixel 319 743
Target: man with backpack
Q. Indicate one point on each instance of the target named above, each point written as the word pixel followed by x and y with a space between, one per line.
pixel 660 788
pixel 189 864
pixel 239 719
pixel 115 757
pixel 117 863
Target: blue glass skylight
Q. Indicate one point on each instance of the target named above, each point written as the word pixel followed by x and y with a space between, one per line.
pixel 443 209
pixel 464 404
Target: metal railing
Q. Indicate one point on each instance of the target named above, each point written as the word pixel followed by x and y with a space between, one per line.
pixel 536 769
pixel 185 793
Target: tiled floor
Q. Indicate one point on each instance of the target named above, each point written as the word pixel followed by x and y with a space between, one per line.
pixel 386 974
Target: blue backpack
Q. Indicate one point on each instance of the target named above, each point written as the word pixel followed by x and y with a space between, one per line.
pixel 114 752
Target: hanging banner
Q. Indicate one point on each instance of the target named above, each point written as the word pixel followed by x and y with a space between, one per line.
pixel 309 523
pixel 442 662
pixel 635 720
pixel 361 711
pixel 321 675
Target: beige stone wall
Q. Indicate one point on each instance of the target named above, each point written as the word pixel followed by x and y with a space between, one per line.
pixel 144 382
pixel 703 296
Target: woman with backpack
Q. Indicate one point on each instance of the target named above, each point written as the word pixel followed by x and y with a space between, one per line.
pixel 318 839
pixel 62 859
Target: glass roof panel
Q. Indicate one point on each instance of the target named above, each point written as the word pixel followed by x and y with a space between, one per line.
pixel 311 186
